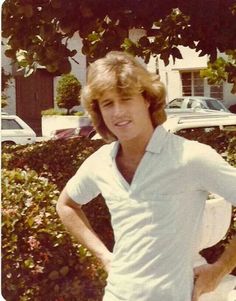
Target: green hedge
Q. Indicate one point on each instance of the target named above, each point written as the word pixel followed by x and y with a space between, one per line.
pixel 40 260
pixel 58 160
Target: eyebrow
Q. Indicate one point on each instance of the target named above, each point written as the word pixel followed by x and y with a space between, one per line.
pixel 104 100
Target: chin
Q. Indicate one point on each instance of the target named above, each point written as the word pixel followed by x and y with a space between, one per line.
pixel 126 137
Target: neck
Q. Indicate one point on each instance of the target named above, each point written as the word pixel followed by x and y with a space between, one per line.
pixel 136 147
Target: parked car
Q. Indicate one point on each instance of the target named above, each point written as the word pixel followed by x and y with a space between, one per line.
pixel 204 120
pixel 197 103
pixel 85 131
pixel 15 131
pixel 188 119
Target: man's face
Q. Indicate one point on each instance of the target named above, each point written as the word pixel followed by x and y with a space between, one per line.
pixel 127 117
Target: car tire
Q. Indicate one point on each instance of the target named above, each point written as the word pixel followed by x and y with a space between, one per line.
pixel 8 143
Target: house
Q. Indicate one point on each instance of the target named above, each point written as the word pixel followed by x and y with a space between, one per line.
pixel 182 77
pixel 28 96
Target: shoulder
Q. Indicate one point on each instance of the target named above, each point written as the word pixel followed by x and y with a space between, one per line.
pixel 191 150
pixel 184 144
pixel 102 155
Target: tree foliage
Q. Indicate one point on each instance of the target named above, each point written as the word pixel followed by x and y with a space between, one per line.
pixel 68 90
pixel 42 29
pixel 222 70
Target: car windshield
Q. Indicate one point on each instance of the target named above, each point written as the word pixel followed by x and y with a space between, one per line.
pixel 214 105
pixel 10 124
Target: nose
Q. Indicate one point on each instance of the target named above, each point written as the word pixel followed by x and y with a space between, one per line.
pixel 119 109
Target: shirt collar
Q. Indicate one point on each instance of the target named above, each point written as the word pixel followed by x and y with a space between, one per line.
pixel 114 149
pixel 157 140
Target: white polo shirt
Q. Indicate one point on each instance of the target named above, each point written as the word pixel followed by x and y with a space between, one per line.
pixel 155 218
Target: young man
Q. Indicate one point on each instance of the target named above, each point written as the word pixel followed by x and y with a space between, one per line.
pixel 155 185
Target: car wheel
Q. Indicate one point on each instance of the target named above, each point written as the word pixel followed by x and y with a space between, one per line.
pixel 91 134
pixel 7 143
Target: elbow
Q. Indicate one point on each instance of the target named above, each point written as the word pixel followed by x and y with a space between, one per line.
pixel 59 207
pixel 61 203
pixel 65 205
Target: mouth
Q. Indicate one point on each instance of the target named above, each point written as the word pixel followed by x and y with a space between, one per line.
pixel 122 123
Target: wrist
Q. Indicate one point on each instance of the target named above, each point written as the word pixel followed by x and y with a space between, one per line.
pixel 222 268
pixel 105 259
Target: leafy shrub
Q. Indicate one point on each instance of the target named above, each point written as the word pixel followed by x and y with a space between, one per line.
pixel 79 113
pixel 40 260
pixel 59 169
pixel 41 157
pixel 231 157
pixel 52 111
pixel 68 92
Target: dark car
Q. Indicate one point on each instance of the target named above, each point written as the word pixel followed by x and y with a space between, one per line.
pixel 85 131
pixel 232 109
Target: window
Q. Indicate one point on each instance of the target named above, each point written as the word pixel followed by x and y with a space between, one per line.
pixel 176 103
pixel 216 91
pixel 10 124
pixel 214 104
pixel 195 103
pixel 192 84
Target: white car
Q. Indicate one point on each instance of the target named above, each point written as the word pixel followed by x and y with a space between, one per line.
pixel 197 103
pixel 15 131
pixel 205 120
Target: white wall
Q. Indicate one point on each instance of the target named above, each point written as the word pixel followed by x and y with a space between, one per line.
pixel 10 92
pixel 229 98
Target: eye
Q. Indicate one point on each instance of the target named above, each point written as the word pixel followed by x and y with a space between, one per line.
pixel 106 103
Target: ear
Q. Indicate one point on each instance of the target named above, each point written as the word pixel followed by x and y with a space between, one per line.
pixel 146 101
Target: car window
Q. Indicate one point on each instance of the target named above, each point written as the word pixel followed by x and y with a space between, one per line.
pixel 194 103
pixel 175 103
pixel 190 103
pixel 214 104
pixel 10 124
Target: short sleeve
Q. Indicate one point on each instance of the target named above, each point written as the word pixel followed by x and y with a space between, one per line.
pixel 82 187
pixel 214 174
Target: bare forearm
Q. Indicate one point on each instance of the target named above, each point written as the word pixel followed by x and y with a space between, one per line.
pixel 227 261
pixel 78 225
